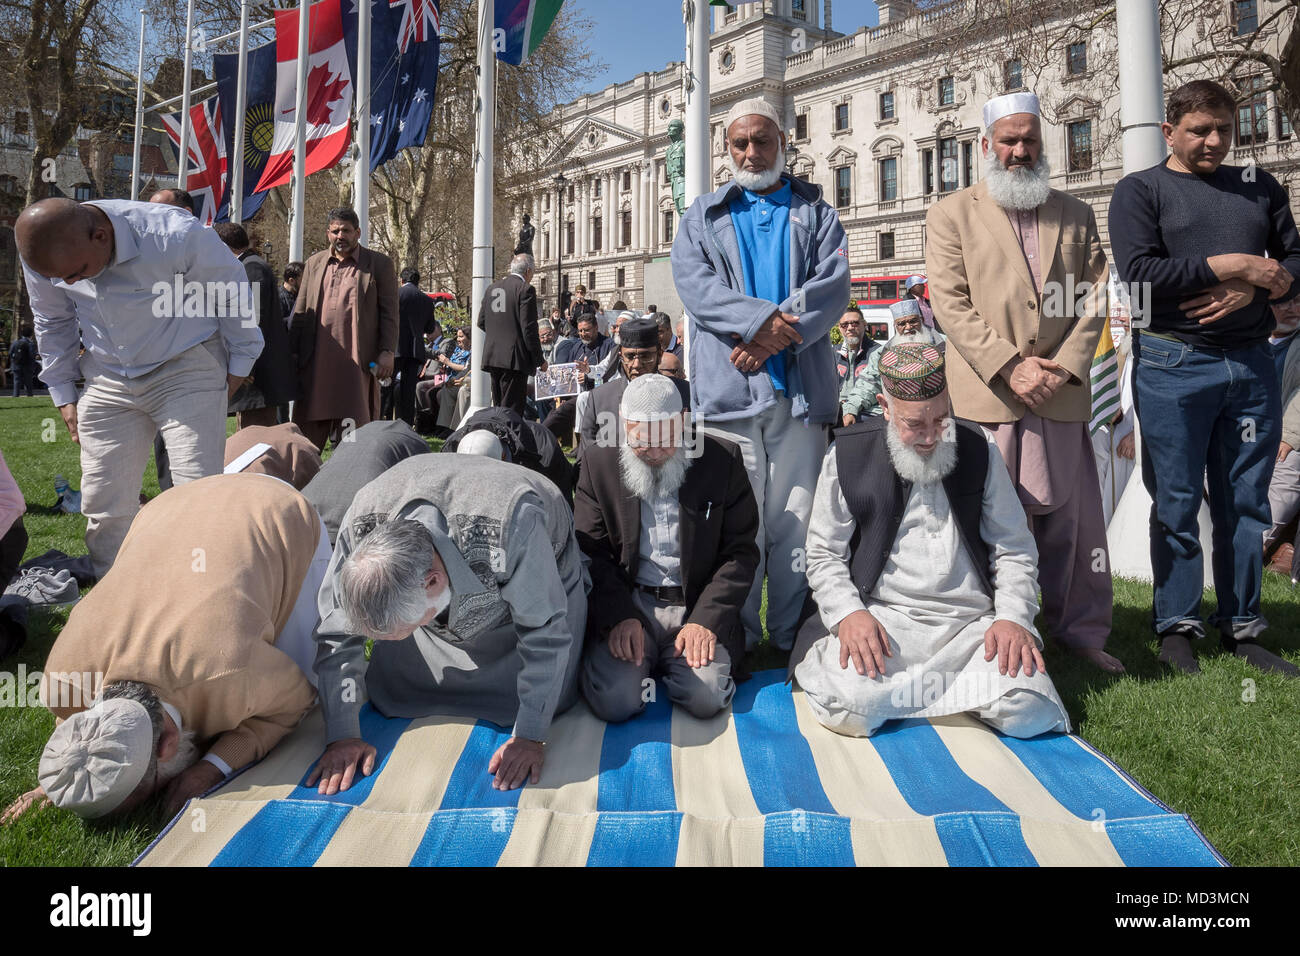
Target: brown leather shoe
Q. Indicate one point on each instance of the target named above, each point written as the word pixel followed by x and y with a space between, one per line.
pixel 1282 559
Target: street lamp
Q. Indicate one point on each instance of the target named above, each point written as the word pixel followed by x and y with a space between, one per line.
pixel 560 233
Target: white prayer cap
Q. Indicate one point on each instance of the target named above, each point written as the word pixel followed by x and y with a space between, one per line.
pixel 481 442
pixel 754 106
pixel 650 398
pixel 624 316
pixel 94 760
pixel 912 281
pixel 1001 106
pixel 905 307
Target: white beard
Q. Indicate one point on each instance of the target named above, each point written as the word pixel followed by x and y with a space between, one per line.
pixel 757 182
pixel 1022 188
pixel 187 754
pixel 916 468
pixel 924 337
pixel 646 481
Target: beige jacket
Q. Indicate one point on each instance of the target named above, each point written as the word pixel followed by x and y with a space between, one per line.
pixel 985 301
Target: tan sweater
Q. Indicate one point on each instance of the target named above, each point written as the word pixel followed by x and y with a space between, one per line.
pixel 205 580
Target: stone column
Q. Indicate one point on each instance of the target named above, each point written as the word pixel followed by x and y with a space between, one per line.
pixel 636 206
pixel 581 212
pixel 607 187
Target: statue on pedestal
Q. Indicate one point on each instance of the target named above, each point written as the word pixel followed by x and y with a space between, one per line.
pixel 526 237
pixel 675 163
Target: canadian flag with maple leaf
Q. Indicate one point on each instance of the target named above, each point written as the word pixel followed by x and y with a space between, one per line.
pixel 328 100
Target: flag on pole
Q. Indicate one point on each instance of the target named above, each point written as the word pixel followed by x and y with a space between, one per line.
pixel 328 99
pixel 205 179
pixel 1105 382
pixel 259 121
pixel 404 47
pixel 524 24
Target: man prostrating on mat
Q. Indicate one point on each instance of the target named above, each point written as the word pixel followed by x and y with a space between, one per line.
pixel 465 573
pixel 922 571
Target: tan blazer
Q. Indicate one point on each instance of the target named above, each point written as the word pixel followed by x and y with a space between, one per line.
pixel 984 299
pixel 377 313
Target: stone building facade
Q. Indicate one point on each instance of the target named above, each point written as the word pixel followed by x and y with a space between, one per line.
pixel 885 119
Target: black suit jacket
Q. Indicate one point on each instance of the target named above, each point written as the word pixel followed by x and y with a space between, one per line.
pixel 508 318
pixel 718 523
pixel 275 372
pixel 414 318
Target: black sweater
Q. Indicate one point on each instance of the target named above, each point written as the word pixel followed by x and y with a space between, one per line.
pixel 1165 224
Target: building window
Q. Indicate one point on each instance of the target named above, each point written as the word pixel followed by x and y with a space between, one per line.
pixel 82 191
pixel 843 186
pixel 948 165
pixel 9 185
pixel 1079 141
pixel 1245 15
pixel 627 179
pixel 797 10
pixel 596 231
pixel 1283 125
pixel 626 218
pixel 886 245
pixel 546 199
pixel 8 255
pixel 595 187
pixel 887 106
pixel 1252 115
pixel 801 126
pixel 947 91
pixel 568 238
pixel 888 179
pixel 20 124
pixel 591 281
pixel 620 277
pixel 668 225
pixel 841 117
pixel 967 163
pixel 543 285
pixel 546 244
pixel 927 170
pixel 1076 58
pixel 884 289
pixel 1012 76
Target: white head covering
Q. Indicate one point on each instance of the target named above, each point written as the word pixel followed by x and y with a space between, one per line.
pixel 754 106
pixel 1001 106
pixel 650 398
pixel 481 442
pixel 905 307
pixel 912 281
pixel 94 760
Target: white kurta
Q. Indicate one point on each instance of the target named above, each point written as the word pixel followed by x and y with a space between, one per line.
pixel 930 603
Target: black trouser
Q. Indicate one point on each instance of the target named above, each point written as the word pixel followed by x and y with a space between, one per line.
pixel 22 377
pixel 509 388
pixel 13 619
pixel 162 462
pixel 409 378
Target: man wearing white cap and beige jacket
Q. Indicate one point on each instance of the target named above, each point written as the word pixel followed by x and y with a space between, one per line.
pixel 1018 279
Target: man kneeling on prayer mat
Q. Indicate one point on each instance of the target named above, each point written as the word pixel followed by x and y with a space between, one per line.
pixel 196 643
pixel 465 573
pixel 922 572
pixel 669 525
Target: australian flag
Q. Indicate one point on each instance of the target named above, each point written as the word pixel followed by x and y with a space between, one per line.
pixel 259 121
pixel 404 45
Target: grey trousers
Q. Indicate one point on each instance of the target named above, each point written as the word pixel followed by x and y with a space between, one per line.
pixel 1283 496
pixel 618 690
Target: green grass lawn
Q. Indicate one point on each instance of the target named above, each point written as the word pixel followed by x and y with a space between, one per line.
pixel 1220 747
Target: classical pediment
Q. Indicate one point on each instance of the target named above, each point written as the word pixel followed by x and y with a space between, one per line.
pixel 592 135
pixel 841 156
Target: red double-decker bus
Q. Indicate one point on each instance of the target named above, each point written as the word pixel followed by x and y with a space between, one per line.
pixel 874 295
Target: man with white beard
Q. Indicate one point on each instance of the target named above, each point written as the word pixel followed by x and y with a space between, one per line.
pixel 1018 279
pixel 922 571
pixel 761 267
pixel 668 522
pixel 909 329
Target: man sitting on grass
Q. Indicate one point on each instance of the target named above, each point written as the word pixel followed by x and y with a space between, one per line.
pixel 922 572
pixel 198 642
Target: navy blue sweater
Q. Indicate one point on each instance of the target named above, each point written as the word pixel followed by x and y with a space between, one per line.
pixel 1165 224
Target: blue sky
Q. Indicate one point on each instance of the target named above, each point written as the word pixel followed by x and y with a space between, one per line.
pixel 634 36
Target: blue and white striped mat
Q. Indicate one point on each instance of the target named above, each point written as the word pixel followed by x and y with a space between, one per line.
pixel 761 784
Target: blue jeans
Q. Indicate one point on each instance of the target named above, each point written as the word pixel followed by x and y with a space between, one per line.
pixel 1212 415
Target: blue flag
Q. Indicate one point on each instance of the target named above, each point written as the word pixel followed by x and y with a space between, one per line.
pixel 259 121
pixel 404 46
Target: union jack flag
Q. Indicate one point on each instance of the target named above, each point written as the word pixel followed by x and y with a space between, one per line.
pixel 417 18
pixel 205 179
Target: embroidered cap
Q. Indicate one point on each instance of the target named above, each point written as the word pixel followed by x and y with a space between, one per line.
pixel 903 308
pixel 912 372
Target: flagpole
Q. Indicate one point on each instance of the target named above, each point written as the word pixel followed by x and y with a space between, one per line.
pixel 486 120
pixel 299 204
pixel 697 99
pixel 184 144
pixel 139 114
pixel 241 104
pixel 361 168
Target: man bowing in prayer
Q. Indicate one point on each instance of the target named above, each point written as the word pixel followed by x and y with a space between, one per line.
pixel 1018 280
pixel 465 573
pixel 922 572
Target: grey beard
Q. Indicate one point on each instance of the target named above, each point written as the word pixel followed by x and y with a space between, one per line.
pixel 924 337
pixel 647 482
pixel 1025 188
pixel 756 182
pixel 916 468
pixel 187 755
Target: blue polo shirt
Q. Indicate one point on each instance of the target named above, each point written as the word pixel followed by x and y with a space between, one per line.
pixel 763 229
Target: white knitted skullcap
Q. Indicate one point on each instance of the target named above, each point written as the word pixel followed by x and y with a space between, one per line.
pixel 481 442
pixel 650 398
pixel 95 759
pixel 1001 106
pixel 754 106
